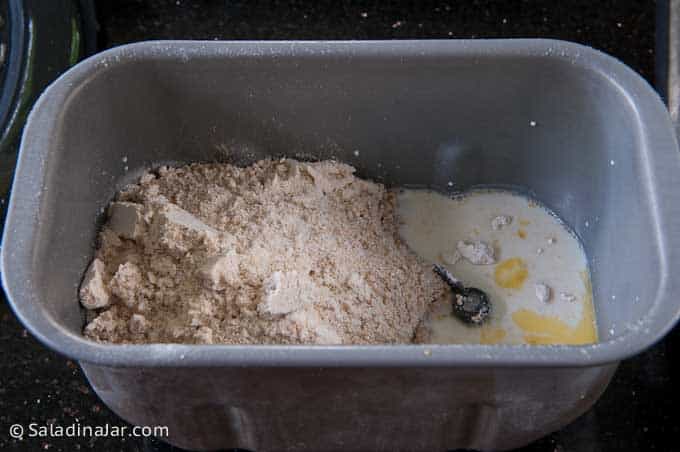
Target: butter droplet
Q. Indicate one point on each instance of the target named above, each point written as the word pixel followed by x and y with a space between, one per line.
pixel 511 273
pixel 491 335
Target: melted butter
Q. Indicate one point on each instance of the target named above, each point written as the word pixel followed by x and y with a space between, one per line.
pixel 511 273
pixel 546 330
pixel 491 335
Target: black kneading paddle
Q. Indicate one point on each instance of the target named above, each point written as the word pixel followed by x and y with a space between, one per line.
pixel 470 304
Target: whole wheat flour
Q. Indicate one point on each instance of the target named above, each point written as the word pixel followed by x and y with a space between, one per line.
pixel 277 252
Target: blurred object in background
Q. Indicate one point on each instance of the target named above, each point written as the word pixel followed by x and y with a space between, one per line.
pixel 38 41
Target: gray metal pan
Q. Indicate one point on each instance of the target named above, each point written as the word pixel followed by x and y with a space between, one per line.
pixel 602 152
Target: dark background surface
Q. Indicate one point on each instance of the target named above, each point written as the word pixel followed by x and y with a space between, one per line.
pixel 636 411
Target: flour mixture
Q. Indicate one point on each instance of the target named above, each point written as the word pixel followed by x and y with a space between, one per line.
pixel 280 252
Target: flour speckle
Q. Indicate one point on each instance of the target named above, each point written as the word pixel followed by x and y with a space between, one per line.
pixel 477 252
pixel 566 296
pixel 543 292
pixel 500 222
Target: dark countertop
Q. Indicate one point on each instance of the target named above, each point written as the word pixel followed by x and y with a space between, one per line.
pixel 636 411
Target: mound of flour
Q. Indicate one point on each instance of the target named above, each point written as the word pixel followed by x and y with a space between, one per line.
pixel 277 252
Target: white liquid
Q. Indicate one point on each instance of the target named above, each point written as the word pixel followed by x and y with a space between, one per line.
pixel 545 251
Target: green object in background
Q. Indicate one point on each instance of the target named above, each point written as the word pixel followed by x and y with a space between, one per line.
pixel 40 40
